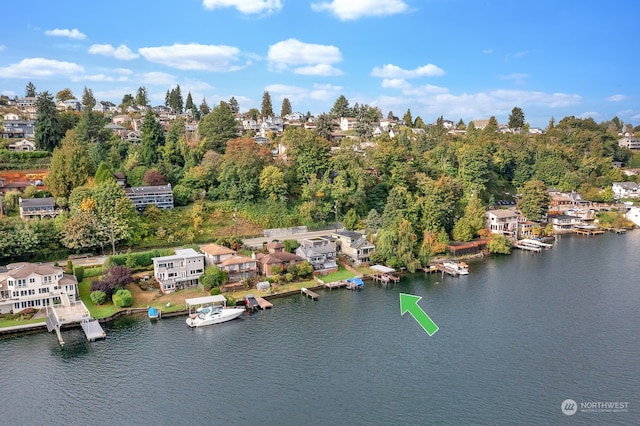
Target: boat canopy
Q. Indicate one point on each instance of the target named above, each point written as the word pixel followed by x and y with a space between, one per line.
pixel 357 281
pixel 382 268
pixel 207 300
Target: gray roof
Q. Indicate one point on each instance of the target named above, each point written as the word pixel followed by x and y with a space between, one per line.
pixel 37 202
pixel 142 190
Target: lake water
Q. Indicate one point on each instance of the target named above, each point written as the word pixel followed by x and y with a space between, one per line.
pixel 517 337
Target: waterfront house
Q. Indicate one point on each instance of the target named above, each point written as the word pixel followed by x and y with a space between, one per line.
pixel 160 196
pixel 625 190
pixel 633 214
pixel 31 208
pixel 178 271
pixel 239 267
pixel 629 142
pixel 354 245
pixel 276 258
pixel 503 222
pixel 215 254
pixel 320 253
pixel 525 229
pixel 563 223
pixel 30 285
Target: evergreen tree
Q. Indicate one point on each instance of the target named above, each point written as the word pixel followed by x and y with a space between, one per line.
pixel 70 166
pixel 324 126
pixel 218 127
pixel 142 99
pixel 407 118
pixel 266 109
pixel 491 127
pixel 516 119
pixel 30 90
pixel 204 107
pixel 233 104
pixel 341 108
pixel 286 107
pixel 47 127
pixel 152 139
pixel 189 105
pixel 88 101
pixel 175 100
pixel 127 101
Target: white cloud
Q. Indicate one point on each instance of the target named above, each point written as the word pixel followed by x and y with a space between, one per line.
pixel 616 98
pixel 99 78
pixel 395 83
pixel 347 10
pixel 195 57
pixel 245 6
pixel 121 52
pixel 394 71
pixel 590 114
pixel 40 67
pixel 158 78
pixel 320 70
pixel 74 33
pixel 317 57
pixel 318 92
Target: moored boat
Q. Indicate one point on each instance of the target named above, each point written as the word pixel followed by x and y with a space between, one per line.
pixel 460 267
pixel 209 315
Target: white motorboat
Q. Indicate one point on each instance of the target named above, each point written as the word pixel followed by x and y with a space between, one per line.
pixel 460 267
pixel 209 315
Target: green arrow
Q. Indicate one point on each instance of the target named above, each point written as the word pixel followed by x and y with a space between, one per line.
pixel 409 303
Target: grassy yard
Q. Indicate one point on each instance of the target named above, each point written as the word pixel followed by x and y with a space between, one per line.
pixel 275 289
pixel 96 311
pixel 15 322
pixel 341 275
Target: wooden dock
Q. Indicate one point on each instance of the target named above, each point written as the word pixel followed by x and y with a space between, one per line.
pixel 588 231
pixel 385 278
pixel 528 247
pixel 445 270
pixel 309 293
pixel 335 284
pixel 430 269
pixel 264 303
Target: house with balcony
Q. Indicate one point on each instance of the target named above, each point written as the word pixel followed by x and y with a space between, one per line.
pixel 625 190
pixel 629 142
pixel 276 259
pixel 160 196
pixel 503 222
pixel 37 208
pixel 239 267
pixel 563 223
pixel 215 254
pixel 354 245
pixel 178 271
pixel 34 285
pixel 320 253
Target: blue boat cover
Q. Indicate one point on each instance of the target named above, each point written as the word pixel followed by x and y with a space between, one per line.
pixel 356 280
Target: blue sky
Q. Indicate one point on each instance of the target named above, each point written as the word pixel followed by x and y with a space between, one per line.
pixel 466 59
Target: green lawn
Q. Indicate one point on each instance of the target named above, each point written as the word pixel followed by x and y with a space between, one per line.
pixel 341 275
pixel 96 311
pixel 14 322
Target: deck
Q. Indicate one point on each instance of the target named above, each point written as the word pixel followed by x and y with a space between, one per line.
pixel 309 293
pixel 264 303
pixel 528 247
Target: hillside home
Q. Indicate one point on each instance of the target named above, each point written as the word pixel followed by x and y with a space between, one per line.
pixel 319 252
pixel 37 208
pixel 354 245
pixel 30 285
pixel 276 259
pixel 215 254
pixel 629 142
pixel 18 128
pixel 348 123
pixel 178 271
pixel 503 222
pixel 563 223
pixel 239 267
pixel 160 196
pixel 22 145
pixel 625 190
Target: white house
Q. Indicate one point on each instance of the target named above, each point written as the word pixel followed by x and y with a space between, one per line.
pixel 178 271
pixel 633 214
pixel 22 145
pixel 626 190
pixel 32 285
pixel 504 222
pixel 319 252
pixel 354 245
pixel 629 142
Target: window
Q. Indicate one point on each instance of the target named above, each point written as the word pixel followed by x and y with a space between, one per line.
pixel 43 290
pixel 32 280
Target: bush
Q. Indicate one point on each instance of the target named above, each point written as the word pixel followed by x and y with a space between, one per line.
pixel 215 291
pixel 98 297
pixel 91 272
pixel 78 271
pixel 122 298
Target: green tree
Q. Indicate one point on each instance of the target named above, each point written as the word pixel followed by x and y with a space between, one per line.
pixel 286 107
pixel 142 97
pixel 407 118
pixel 240 169
pixel 88 100
pixel 122 298
pixel 213 277
pixel 30 90
pixel 90 127
pixel 152 138
pixel 233 104
pixel 114 212
pixel 70 166
pixel 535 200
pixel 272 183
pixel 516 119
pixel 308 153
pixel 499 244
pixel 204 107
pixel 266 108
pixel 47 128
pixel 325 125
pixel 103 174
pixel 340 108
pixel 64 95
pixel 174 100
pixel 127 101
pixel 188 104
pixel 217 128
pixel 350 221
pixel 492 126
pixel 373 220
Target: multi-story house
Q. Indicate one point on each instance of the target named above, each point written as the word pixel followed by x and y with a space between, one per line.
pixel 239 267
pixel 31 208
pixel 276 259
pixel 215 254
pixel 319 252
pixel 160 196
pixel 629 142
pixel 504 222
pixel 354 245
pixel 30 285
pixel 625 190
pixel 178 271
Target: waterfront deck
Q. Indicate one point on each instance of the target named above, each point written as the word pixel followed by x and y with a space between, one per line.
pixel 335 284
pixel 309 293
pixel 446 270
pixel 72 312
pixel 588 231
pixel 528 247
pixel 264 303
